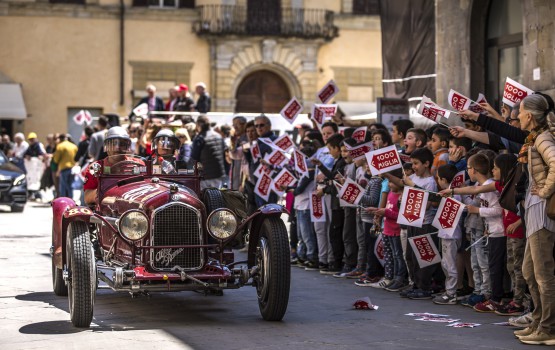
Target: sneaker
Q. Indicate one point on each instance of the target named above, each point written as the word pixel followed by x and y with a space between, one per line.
pixel 487 306
pixel 356 273
pixel 331 270
pixel 367 281
pixel 538 338
pixel 522 321
pixel 524 332
pixel 465 291
pixel 405 293
pixel 419 294
pixel 473 299
pixel 343 272
pixel 446 299
pixel 381 284
pixel 510 309
pixel 323 267
pixel 311 266
pixel 294 260
pixel 396 286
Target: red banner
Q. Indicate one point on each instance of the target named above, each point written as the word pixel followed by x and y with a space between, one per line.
pixel 447 217
pixel 351 192
pixel 255 150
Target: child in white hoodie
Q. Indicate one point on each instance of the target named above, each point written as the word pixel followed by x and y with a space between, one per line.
pixel 479 169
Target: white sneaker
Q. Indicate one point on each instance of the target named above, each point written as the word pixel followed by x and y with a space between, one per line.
pixel 381 283
pixel 522 321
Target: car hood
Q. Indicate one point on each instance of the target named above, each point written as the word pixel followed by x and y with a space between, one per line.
pixel 147 196
pixel 10 170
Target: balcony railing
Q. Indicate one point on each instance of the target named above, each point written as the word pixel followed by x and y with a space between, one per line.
pixel 289 22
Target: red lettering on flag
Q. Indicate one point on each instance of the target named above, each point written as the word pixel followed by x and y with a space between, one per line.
pixel 424 248
pixel 449 213
pixel 413 206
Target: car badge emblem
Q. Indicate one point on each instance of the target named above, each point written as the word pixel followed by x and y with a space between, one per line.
pixel 175 197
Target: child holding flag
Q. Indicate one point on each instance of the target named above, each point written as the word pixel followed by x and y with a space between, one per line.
pixel 422 178
pixel 450 243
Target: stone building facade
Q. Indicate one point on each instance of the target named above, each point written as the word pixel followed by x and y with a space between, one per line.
pixel 99 55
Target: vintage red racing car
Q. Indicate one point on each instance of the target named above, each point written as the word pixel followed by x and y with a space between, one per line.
pixel 155 232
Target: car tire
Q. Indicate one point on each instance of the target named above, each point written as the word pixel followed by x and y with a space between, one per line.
pixel 213 199
pixel 58 284
pixel 274 278
pixel 17 208
pixel 82 274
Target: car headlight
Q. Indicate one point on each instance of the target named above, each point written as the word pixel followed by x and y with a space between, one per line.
pixel 20 180
pixel 133 225
pixel 222 223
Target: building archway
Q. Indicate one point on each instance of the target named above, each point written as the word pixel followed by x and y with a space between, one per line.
pixel 262 91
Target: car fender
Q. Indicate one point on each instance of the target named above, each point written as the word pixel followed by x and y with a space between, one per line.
pixel 65 211
pixel 256 220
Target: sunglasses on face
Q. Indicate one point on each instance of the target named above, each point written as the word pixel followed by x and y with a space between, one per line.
pixel 259 125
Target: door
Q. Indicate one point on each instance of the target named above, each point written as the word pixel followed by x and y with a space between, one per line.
pixel 262 92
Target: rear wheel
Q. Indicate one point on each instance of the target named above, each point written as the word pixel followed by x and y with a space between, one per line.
pixel 58 283
pixel 274 277
pixel 82 274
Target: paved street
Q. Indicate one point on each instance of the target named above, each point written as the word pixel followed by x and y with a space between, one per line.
pixel 319 314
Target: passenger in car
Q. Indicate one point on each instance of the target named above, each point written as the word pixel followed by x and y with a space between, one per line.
pixel 164 147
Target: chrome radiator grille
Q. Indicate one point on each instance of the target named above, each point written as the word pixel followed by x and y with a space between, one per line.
pixel 176 224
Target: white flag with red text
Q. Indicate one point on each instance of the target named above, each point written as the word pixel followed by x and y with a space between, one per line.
pixel 425 250
pixel 291 110
pixel 263 186
pixel 255 150
pixel 276 158
pixel 413 207
pixel 300 162
pixel 458 101
pixel 384 160
pixel 351 192
pixel 283 178
pixel 327 92
pixel 360 134
pixel 317 212
pixel 458 180
pixel 359 151
pixel 515 92
pixel 429 109
pixel 284 142
pixel 448 215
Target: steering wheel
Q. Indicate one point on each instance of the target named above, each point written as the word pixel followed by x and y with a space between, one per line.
pixel 124 164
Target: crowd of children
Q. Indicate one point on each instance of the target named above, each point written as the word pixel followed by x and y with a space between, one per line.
pixel 481 260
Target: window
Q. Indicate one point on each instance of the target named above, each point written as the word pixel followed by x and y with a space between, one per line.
pixel 503 47
pixel 366 7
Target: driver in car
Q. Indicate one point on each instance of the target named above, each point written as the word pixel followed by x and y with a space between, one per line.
pixel 164 146
pixel 117 144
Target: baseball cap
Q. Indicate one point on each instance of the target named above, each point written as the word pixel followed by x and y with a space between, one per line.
pixel 183 87
pixel 32 135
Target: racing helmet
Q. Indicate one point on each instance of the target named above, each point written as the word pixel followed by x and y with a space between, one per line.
pixel 165 140
pixel 117 141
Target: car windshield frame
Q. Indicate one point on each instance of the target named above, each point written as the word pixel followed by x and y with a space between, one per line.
pixel 3 158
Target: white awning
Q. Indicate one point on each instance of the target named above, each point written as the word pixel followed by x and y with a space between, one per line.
pixel 11 102
pixel 351 109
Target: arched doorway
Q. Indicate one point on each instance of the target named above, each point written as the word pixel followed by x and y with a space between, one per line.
pixel 262 92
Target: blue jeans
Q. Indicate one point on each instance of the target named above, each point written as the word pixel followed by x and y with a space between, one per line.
pixel 399 265
pixel 66 179
pixel 305 231
pixel 480 265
